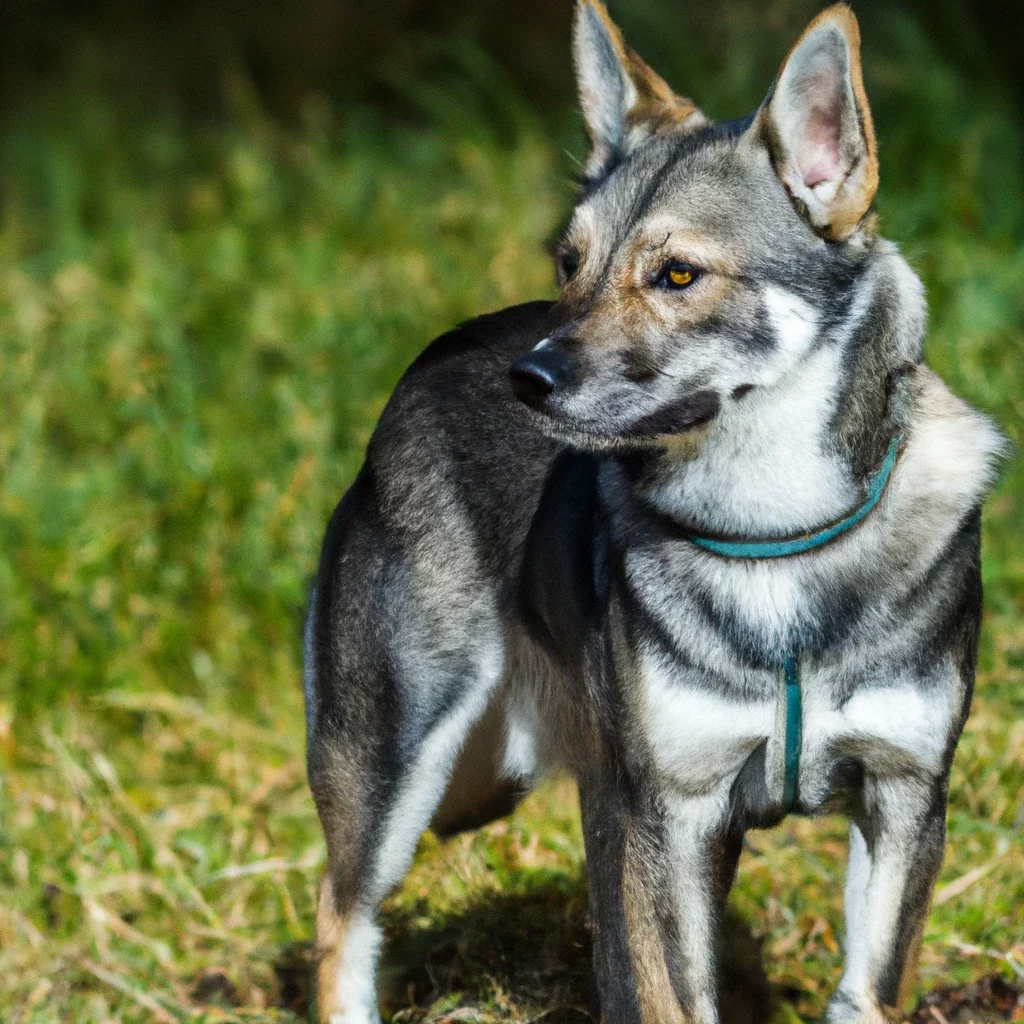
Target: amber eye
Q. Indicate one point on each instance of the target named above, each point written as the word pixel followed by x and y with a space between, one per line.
pixel 678 275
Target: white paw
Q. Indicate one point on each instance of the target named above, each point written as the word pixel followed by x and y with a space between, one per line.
pixel 359 1016
pixel 850 1008
pixel 350 996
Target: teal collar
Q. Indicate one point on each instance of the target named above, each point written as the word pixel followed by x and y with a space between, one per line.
pixel 808 541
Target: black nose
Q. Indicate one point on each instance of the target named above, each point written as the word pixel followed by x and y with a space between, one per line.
pixel 538 373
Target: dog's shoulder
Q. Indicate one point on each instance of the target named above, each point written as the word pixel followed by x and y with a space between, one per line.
pixel 456 396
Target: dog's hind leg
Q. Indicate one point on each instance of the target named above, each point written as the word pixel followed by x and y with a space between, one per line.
pixel 404 647
pixel 380 758
pixel 896 849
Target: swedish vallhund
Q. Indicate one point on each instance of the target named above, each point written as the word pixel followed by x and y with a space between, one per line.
pixel 703 532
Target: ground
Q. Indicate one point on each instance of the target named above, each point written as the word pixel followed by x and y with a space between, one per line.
pixel 198 327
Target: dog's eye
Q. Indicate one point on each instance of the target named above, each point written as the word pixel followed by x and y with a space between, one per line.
pixel 677 276
pixel 568 264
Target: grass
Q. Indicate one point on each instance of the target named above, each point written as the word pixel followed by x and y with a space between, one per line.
pixel 198 327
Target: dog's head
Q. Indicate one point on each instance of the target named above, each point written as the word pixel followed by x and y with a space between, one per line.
pixel 701 260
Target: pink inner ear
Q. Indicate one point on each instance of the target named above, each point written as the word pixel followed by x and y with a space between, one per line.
pixel 817 151
pixel 819 156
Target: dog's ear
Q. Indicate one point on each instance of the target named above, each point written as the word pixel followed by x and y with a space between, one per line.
pixel 623 100
pixel 817 126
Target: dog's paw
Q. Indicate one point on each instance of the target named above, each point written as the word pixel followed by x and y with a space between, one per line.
pixel 355 1016
pixel 851 1008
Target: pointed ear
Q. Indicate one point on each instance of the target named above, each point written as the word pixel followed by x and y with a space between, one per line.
pixel 818 127
pixel 623 100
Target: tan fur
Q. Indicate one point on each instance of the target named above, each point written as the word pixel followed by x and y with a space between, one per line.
pixel 625 314
pixel 657 998
pixel 476 792
pixel 628 311
pixel 906 985
pixel 685 445
pixel 337 792
pixel 330 936
pixel 658 1003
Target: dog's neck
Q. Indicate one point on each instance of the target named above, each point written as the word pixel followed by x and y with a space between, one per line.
pixel 767 465
pixel 792 457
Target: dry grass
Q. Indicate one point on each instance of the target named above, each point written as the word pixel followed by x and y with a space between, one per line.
pixel 161 864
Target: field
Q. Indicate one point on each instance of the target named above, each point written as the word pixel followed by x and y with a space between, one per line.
pixel 199 323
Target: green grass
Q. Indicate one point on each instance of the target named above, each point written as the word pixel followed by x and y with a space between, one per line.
pixel 198 328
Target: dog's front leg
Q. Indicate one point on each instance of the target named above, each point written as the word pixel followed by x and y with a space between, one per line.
pixel 896 848
pixel 704 850
pixel 654 887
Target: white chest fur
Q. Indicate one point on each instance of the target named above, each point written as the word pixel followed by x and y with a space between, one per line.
pixel 701 736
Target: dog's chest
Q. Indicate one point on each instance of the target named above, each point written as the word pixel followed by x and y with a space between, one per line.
pixel 704 728
pixel 717 611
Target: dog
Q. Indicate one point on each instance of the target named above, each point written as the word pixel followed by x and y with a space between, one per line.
pixel 703 532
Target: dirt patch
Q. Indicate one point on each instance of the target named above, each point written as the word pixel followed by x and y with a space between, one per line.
pixel 294 969
pixel 986 1001
pixel 215 988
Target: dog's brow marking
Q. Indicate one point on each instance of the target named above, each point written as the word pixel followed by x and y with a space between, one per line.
pixel 654 246
pixel 639 207
pixel 543 343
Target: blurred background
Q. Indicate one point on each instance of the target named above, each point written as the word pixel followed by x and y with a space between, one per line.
pixel 225 230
